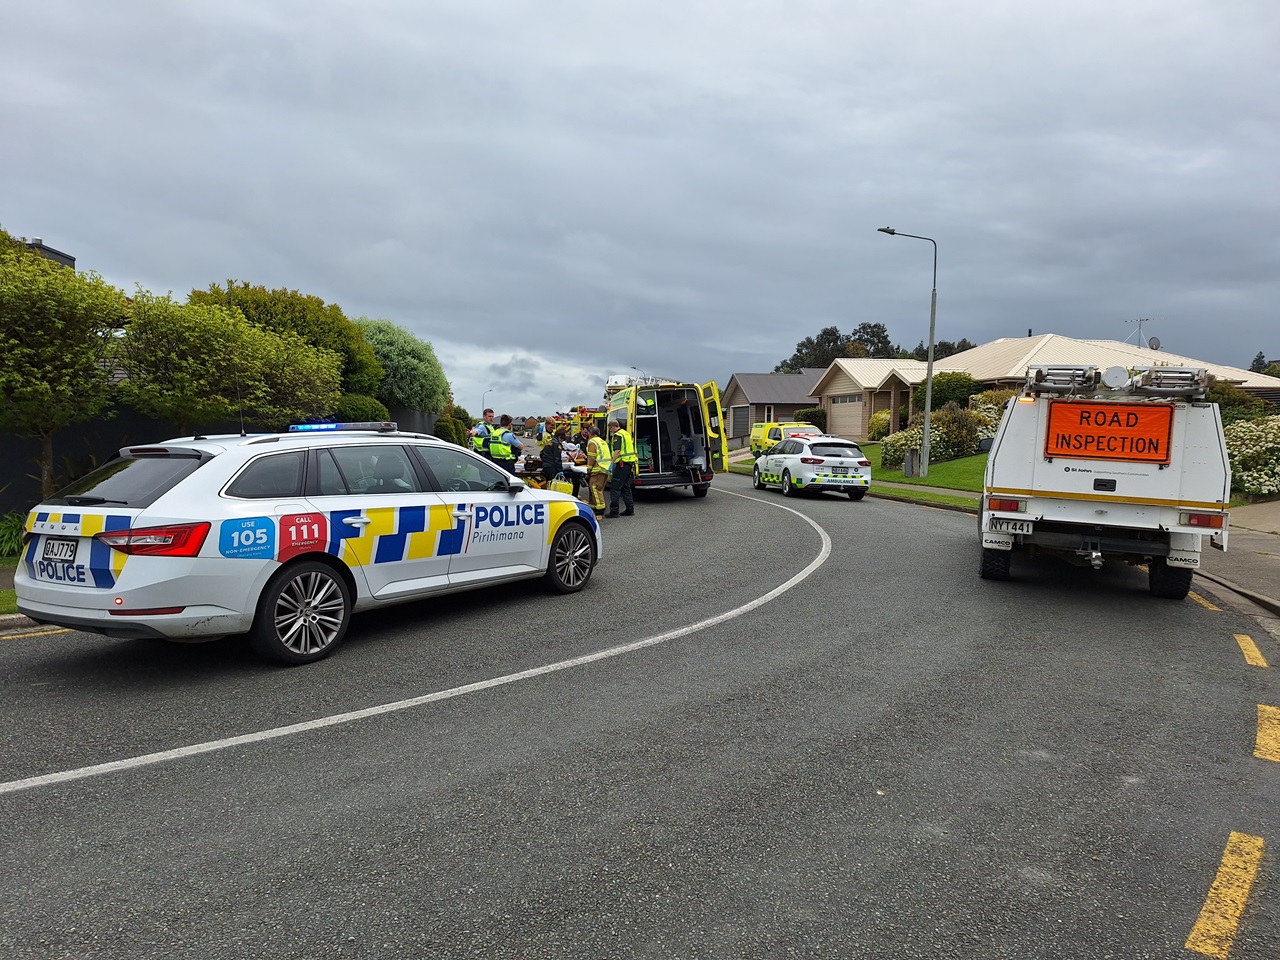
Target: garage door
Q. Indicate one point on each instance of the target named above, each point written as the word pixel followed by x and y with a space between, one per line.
pixel 845 420
pixel 740 421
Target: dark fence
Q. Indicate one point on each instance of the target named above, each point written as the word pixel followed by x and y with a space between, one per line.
pixel 81 448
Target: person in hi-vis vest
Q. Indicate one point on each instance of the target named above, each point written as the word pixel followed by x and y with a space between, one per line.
pixel 625 465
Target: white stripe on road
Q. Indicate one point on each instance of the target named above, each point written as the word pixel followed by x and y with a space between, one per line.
pixel 274 733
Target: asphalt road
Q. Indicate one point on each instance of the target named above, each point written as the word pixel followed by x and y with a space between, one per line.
pixel 890 758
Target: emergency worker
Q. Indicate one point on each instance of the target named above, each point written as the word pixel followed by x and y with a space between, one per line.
pixel 504 446
pixel 625 465
pixel 598 463
pixel 482 432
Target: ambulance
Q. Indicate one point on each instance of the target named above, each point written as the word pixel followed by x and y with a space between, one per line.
pixel 1091 465
pixel 678 431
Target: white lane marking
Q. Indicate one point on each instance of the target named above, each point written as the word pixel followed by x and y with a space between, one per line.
pixel 148 759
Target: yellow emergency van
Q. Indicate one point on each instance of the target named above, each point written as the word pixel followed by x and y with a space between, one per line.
pixel 765 435
pixel 678 431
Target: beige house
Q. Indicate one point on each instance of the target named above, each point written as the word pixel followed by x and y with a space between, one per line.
pixel 852 390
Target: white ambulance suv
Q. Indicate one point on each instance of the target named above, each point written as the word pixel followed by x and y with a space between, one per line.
pixel 284 536
pixel 1092 464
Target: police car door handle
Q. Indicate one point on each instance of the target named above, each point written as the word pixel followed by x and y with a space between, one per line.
pixel 356 521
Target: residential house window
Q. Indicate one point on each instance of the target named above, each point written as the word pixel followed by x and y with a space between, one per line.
pixel 851 398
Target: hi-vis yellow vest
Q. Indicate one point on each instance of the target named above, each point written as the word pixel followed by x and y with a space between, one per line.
pixel 626 452
pixel 604 459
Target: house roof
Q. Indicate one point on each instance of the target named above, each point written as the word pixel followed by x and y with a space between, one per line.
pixel 873 374
pixel 1008 359
pixel 777 387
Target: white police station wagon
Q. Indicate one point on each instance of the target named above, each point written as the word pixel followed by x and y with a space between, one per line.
pixel 284 536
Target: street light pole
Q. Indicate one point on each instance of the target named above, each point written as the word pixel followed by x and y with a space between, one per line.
pixel 482 396
pixel 928 374
pixel 641 372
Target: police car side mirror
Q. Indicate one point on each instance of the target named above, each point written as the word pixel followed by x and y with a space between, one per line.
pixel 515 485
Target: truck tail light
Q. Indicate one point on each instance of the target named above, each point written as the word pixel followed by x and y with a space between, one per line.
pixel 1213 521
pixel 1007 504
pixel 176 540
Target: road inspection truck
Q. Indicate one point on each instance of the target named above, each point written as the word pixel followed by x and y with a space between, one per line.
pixel 1091 464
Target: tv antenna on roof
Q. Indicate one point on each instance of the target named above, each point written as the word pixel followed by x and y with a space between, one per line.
pixel 1140 340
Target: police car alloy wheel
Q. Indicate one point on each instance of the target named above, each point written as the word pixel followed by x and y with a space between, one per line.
pixel 572 559
pixel 303 614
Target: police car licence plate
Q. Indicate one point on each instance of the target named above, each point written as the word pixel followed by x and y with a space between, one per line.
pixel 59 549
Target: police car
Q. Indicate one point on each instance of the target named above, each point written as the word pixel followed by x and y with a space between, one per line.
pixel 284 536
pixel 802 463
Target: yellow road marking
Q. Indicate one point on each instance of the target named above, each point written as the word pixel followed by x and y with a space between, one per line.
pixel 1202 601
pixel 1252 655
pixel 1267 746
pixel 1220 916
pixel 42 633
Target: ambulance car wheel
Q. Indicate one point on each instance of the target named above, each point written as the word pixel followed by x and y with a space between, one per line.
pixel 755 479
pixel 302 615
pixel 995 564
pixel 573 556
pixel 857 493
pixel 1169 583
pixel 786 484
pixel 700 489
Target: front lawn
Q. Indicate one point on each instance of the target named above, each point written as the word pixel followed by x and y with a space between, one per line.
pixel 963 474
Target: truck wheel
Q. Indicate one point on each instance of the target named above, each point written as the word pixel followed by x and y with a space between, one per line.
pixel 1169 583
pixel 995 564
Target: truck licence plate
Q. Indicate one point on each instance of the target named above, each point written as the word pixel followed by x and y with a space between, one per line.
pixel 59 549
pixel 1001 525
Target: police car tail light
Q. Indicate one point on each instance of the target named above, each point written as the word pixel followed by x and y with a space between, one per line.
pixel 1210 520
pixel 176 540
pixel 1006 503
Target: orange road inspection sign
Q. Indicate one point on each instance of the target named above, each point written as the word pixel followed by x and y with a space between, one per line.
pixel 1138 432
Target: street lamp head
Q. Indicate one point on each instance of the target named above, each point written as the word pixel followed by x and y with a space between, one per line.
pixel 888 230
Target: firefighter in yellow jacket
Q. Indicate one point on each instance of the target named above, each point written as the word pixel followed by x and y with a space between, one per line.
pixel 599 461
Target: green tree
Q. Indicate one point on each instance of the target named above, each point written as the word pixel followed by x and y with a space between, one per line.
pixel 317 323
pixel 56 327
pixel 1235 404
pixel 830 344
pixel 875 337
pixel 1259 363
pixel 300 382
pixel 948 387
pixel 181 362
pixel 1272 369
pixel 411 374
pixel 194 364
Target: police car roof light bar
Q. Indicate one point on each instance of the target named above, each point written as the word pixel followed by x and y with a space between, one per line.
pixel 381 426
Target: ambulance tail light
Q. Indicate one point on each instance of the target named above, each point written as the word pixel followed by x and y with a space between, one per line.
pixel 810 459
pixel 176 540
pixel 1008 504
pixel 1212 521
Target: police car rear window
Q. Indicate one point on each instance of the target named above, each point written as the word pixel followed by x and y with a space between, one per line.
pixel 128 481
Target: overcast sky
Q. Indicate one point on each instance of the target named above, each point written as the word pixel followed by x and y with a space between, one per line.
pixel 551 192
